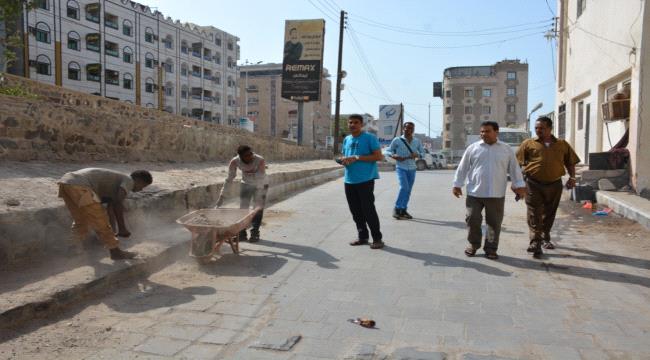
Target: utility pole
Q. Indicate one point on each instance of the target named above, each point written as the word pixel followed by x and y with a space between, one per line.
pixel 339 76
pixel 429 126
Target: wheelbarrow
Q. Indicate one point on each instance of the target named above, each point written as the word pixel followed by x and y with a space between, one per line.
pixel 211 228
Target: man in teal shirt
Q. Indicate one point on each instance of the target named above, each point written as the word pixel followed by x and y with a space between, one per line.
pixel 405 149
pixel 361 151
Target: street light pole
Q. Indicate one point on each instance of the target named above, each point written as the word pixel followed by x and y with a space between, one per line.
pixel 429 127
pixel 339 76
pixel 537 107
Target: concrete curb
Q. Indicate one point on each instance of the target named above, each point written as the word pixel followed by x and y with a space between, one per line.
pixel 630 206
pixel 43 306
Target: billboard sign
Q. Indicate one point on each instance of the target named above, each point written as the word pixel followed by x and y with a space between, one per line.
pixel 302 64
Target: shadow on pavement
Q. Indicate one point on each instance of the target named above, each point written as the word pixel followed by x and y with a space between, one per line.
pixel 431 259
pixel 455 224
pixel 300 252
pixel 571 270
pixel 148 295
pixel 244 265
pixel 596 256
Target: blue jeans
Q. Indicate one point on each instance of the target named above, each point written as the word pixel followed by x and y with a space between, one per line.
pixel 406 179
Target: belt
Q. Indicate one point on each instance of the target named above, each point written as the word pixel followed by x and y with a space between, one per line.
pixel 537 182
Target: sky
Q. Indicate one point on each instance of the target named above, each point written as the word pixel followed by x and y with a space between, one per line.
pixel 394 50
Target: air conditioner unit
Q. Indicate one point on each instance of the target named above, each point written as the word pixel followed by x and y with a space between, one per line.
pixel 33 63
pixel 616 109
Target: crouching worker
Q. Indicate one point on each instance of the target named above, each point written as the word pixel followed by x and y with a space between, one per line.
pixel 83 191
pixel 253 169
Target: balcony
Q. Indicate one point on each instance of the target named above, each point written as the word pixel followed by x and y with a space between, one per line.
pixel 196 54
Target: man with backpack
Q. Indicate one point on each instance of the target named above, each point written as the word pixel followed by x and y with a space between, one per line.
pixel 405 149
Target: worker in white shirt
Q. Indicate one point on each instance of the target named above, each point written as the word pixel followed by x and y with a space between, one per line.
pixel 486 165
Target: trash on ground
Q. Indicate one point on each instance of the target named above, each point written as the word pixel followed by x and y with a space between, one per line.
pixel 600 213
pixel 587 205
pixel 367 323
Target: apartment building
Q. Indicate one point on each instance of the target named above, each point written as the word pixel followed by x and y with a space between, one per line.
pixel 602 57
pixel 473 94
pixel 125 51
pixel 275 116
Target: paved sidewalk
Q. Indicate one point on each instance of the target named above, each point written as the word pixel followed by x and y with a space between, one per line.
pixel 631 206
pixel 586 300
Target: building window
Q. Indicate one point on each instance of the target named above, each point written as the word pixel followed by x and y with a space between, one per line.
pixel 184 48
pixel 230 45
pixel 169 66
pixel 448 93
pixel 42 32
pixel 196 71
pixel 217 59
pixel 169 89
pixel 448 110
pixel 127 81
pixel 231 82
pixel 183 69
pixel 149 36
pixel 41 4
pixel 74 41
pixel 94 72
pixel 487 109
pixel 184 92
pixel 149 86
pixel 469 92
pixel 92 12
pixel 511 108
pixel 487 92
pixel 217 41
pixel 207 74
pixel 43 65
pixel 148 61
pixel 217 98
pixel 127 28
pixel 581 115
pixel 74 71
pixel 217 78
pixel 511 75
pixel 168 42
pixel 468 110
pixel 93 42
pixel 127 55
pixel 231 63
pixel 112 77
pixel 111 21
pixel 111 49
pixel 582 6
pixel 72 10
pixel 511 91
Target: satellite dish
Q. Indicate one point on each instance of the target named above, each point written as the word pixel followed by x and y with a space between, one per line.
pixel 343 74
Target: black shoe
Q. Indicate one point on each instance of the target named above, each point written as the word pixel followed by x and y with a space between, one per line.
pixel 255 236
pixel 533 247
pixel 538 254
pixel 358 242
pixel 377 244
pixel 119 254
pixel 397 214
pixel 406 215
pixel 243 236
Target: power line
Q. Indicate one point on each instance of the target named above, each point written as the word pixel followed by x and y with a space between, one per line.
pixel 323 12
pixel 549 8
pixel 446 47
pixel 553 58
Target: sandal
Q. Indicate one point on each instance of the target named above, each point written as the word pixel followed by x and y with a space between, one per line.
pixel 358 242
pixel 470 251
pixel 377 245
pixel 548 245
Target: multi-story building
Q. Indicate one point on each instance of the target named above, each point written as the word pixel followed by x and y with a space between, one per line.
pixel 275 116
pixel 603 54
pixel 473 94
pixel 122 50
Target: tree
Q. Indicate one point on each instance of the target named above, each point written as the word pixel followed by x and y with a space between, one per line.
pixel 11 37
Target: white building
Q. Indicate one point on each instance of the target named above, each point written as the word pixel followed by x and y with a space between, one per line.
pixel 604 49
pixel 122 50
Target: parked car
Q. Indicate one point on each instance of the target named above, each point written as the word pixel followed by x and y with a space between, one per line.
pixel 428 162
pixel 439 161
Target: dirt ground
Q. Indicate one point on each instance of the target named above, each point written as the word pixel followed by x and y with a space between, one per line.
pixel 32 185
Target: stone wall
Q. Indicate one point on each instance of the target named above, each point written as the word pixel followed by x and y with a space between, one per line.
pixel 66 125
